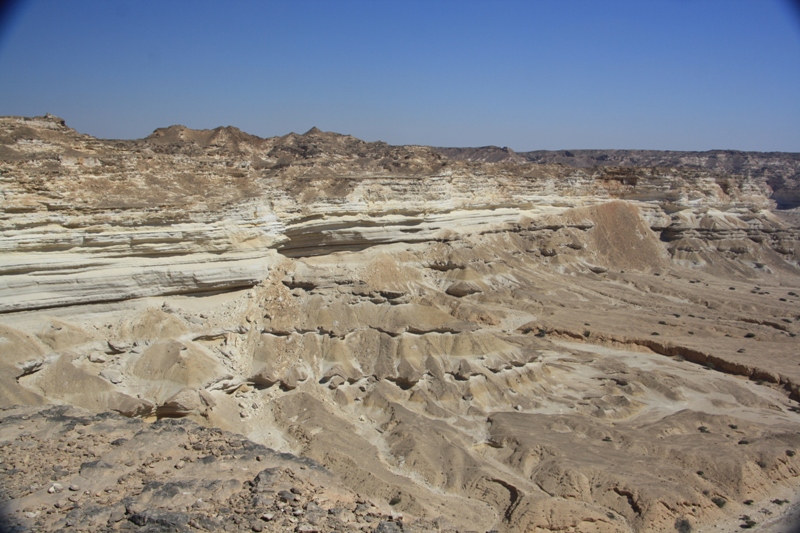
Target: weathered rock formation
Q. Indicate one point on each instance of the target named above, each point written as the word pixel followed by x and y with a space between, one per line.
pixel 183 211
pixel 467 339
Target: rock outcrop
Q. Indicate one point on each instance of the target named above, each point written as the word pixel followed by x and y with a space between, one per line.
pixel 185 211
pixel 416 339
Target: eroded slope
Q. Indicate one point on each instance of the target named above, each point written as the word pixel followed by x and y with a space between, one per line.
pixel 474 345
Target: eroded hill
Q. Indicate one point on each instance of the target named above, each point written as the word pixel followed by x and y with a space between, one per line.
pixel 461 341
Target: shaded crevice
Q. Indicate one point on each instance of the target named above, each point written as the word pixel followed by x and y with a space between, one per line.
pixel 403 383
pixel 198 291
pixel 631 501
pixel 444 329
pixel 304 285
pixel 767 323
pixel 277 333
pixel 514 496
pixel 391 295
pixel 316 331
pixel 386 331
pixel 445 266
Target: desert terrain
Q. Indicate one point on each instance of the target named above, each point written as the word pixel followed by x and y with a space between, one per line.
pixel 205 330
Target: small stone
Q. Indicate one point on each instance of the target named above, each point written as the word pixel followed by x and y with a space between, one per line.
pixel 199 504
pixel 460 289
pixel 259 457
pixel 74 498
pixel 286 496
pixel 267 517
pixel 257 526
pixel 134 508
pixel 306 528
pixel 388 527
pixel 119 346
pixel 312 507
pixel 114 376
pixel 335 382
pixel 179 465
pixel 55 487
pixel 297 490
pixel 74 488
pixel 97 357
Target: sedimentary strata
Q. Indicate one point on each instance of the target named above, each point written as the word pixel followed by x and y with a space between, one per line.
pixel 447 339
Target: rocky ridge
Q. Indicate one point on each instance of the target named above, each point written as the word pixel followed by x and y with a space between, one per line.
pixel 780 170
pixel 464 340
pixel 191 211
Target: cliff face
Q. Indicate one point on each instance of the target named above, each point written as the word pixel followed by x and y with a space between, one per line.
pixel 190 211
pixel 467 338
pixel 779 171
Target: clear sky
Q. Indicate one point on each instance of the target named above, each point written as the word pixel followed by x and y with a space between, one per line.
pixel 535 74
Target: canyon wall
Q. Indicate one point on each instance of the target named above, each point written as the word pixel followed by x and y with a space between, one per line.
pixel 184 211
pixel 316 333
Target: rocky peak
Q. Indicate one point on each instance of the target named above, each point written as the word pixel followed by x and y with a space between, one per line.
pixel 228 137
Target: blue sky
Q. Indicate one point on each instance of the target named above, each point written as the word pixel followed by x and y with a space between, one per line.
pixel 536 74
